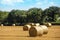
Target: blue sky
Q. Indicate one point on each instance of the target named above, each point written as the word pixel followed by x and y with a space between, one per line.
pixel 8 5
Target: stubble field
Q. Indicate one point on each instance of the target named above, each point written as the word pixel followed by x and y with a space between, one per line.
pixel 17 33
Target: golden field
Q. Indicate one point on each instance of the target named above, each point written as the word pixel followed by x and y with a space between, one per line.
pixel 17 33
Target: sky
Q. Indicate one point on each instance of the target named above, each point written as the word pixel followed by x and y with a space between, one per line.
pixel 8 5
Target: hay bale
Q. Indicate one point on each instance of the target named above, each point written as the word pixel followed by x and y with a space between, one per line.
pixel 13 24
pixel 48 24
pixel 45 29
pixel 35 31
pixel 37 24
pixel 1 24
pixel 26 27
pixel 32 24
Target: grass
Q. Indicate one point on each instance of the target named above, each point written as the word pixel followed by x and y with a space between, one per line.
pixel 17 33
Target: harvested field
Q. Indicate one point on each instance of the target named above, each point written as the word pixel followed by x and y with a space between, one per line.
pixel 17 33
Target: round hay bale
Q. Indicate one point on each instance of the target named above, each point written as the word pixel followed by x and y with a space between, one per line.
pixel 35 31
pixel 32 24
pixel 13 24
pixel 26 27
pixel 48 24
pixel 45 29
pixel 1 24
pixel 37 24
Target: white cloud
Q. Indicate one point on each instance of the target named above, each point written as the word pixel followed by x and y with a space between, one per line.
pixel 45 1
pixel 52 3
pixel 10 2
pixel 38 3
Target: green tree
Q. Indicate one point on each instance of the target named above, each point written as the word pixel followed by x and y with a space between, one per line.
pixel 17 16
pixel 50 13
pixel 34 15
pixel 3 16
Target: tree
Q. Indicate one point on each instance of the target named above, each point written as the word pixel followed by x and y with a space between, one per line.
pixel 3 16
pixel 34 15
pixel 17 16
pixel 50 13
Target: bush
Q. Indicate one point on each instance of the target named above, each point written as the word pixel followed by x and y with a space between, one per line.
pixel 55 23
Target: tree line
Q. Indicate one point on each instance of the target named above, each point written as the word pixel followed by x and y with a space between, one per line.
pixel 33 15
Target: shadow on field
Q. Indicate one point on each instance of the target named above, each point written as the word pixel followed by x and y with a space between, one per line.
pixel 55 37
pixel 12 36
